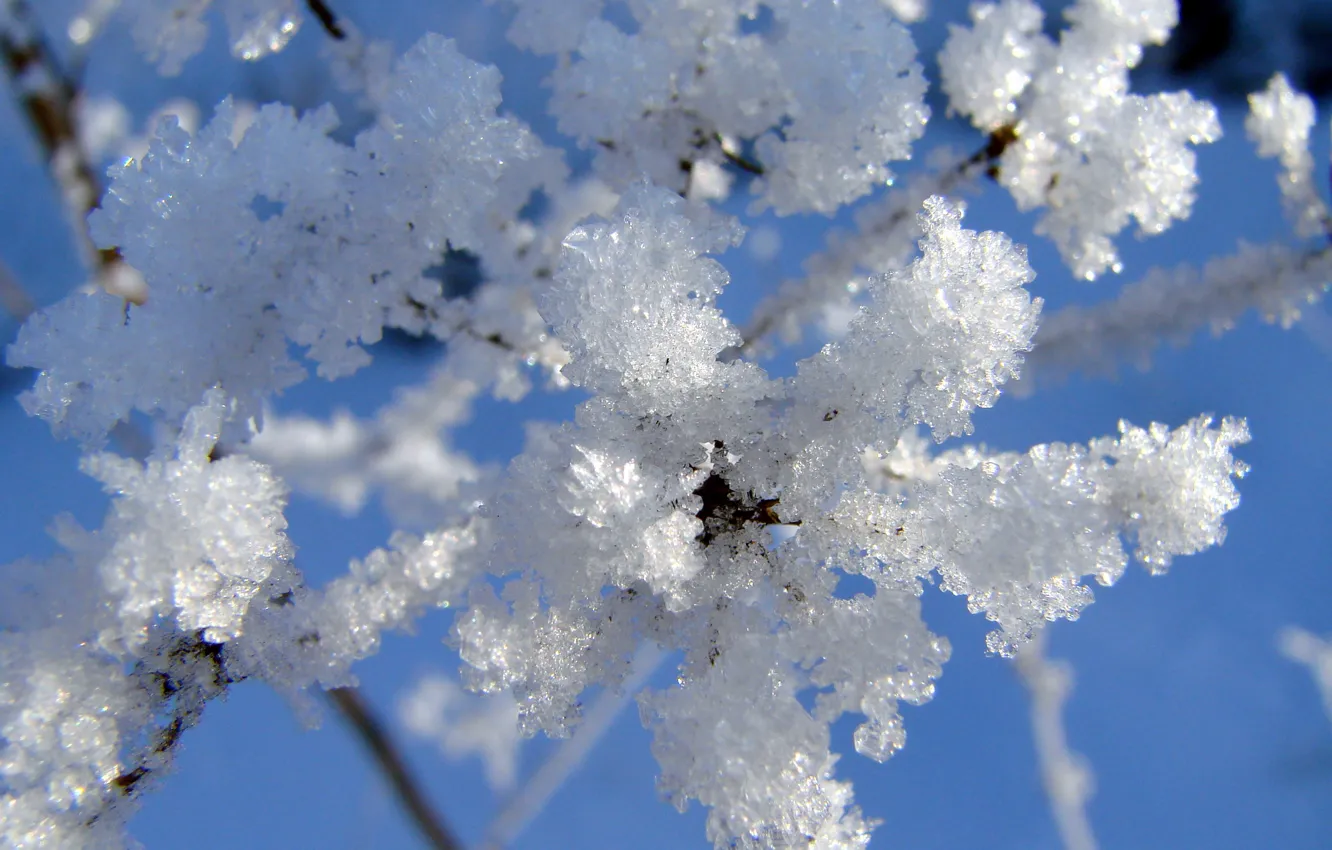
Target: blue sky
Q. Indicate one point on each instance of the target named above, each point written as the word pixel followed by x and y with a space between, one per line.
pixel 1200 734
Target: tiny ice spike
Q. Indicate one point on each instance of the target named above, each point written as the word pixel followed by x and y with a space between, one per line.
pixel 650 516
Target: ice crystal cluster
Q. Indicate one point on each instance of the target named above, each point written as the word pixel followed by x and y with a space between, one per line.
pixel 1088 151
pixel 169 32
pixel 1280 119
pixel 695 502
pixel 283 236
pixel 828 93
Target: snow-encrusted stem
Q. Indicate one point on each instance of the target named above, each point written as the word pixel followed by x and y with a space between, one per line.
pixel 887 236
pixel 1171 305
pixel 1068 781
pixel 47 96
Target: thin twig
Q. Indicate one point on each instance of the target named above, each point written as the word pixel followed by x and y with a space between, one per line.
pixel 13 297
pixel 47 96
pixel 738 159
pixel 185 674
pixel 831 270
pixel 529 800
pixel 327 19
pixel 353 708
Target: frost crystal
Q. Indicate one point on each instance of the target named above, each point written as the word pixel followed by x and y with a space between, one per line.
pixel 462 724
pixel 636 302
pixel 403 452
pixel 1166 491
pixel 1276 280
pixel 65 715
pixel 110 651
pixel 1074 140
pixel 829 93
pixel 171 31
pixel 1314 652
pixel 188 537
pixel 1005 45
pixel 1279 121
pixel 939 338
pixel 282 237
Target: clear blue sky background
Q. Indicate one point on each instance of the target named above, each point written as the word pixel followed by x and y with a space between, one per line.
pixel 1200 734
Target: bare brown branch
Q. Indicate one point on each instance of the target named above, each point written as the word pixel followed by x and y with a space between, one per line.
pixel 13 297
pixel 353 708
pixel 47 96
pixel 327 19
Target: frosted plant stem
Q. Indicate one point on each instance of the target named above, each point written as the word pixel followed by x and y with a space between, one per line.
pixel 649 517
pixel 1172 305
pixel 1316 654
pixel 1068 781
pixel 532 797
pixel 354 710
pixel 47 96
pixel 831 271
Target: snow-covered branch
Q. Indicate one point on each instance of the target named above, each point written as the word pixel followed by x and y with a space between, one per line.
pixel 694 506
